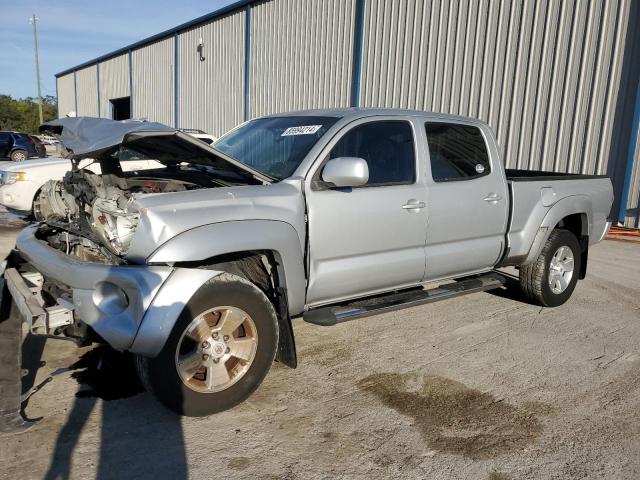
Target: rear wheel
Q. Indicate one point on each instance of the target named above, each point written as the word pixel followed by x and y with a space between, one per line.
pixel 19 155
pixel 551 279
pixel 219 350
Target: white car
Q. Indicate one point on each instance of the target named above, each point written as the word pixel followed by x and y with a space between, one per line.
pixel 20 182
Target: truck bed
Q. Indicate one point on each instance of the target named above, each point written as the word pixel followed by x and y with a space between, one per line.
pixel 534 194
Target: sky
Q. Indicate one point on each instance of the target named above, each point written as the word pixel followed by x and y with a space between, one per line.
pixel 71 32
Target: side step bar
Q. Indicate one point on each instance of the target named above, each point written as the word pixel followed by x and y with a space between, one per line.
pixel 331 315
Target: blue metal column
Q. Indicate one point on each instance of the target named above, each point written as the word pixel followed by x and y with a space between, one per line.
pixel 247 60
pixel 130 85
pixel 75 93
pixel 176 85
pixel 628 172
pixel 358 46
pixel 98 85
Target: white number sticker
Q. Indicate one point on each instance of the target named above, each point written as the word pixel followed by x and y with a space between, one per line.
pixel 301 130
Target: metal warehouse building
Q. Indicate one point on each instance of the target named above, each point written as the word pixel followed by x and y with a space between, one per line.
pixel 558 80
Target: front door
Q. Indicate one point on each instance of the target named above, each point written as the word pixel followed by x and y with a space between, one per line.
pixel 468 202
pixel 370 238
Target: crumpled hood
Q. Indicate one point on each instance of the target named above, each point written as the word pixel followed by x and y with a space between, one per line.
pixel 90 136
pixel 166 215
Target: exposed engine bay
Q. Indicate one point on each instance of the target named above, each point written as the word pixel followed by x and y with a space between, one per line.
pixel 96 211
pixel 92 214
pixel 93 217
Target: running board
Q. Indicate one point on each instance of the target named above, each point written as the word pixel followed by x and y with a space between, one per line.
pixel 331 315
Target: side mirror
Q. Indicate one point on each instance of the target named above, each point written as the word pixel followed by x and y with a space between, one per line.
pixel 346 172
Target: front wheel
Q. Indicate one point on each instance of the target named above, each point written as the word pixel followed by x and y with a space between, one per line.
pixel 219 351
pixel 551 279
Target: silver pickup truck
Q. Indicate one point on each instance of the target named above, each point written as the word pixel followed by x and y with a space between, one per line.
pixel 197 264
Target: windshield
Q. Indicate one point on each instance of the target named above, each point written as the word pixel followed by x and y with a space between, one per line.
pixel 274 146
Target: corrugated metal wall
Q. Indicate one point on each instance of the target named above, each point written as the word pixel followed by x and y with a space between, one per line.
pixel 316 40
pixel 152 67
pixel 87 91
pixel 552 77
pixel 211 91
pixel 66 95
pixel 544 75
pixel 114 82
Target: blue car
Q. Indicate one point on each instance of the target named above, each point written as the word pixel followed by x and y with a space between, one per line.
pixel 19 146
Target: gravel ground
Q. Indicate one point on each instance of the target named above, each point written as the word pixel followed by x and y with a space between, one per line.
pixel 485 387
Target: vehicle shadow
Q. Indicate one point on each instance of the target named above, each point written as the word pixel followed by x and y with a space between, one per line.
pixel 511 289
pixel 139 438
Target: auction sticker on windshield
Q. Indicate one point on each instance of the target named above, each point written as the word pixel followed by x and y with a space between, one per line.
pixel 301 130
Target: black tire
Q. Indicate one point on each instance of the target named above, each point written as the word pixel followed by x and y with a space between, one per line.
pixel 19 155
pixel 160 376
pixel 534 278
pixel 36 214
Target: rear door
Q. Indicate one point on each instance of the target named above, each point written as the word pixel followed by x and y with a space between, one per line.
pixel 371 238
pixel 5 144
pixel 468 201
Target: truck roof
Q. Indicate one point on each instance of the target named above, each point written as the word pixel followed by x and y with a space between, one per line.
pixel 355 113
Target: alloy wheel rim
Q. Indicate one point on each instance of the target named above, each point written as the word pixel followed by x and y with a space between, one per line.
pixel 20 156
pixel 561 269
pixel 216 349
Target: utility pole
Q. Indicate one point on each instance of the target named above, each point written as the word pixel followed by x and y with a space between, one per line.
pixel 33 21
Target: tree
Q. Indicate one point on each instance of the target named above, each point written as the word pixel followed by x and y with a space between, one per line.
pixel 22 114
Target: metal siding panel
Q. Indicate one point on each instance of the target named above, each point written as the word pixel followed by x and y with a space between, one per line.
pixel 301 55
pixel 544 74
pixel 211 92
pixel 114 82
pixel 153 81
pixel 86 87
pixel 614 76
pixel 66 95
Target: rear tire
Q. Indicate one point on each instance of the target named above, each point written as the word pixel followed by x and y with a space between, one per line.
pixel 19 155
pixel 194 375
pixel 551 279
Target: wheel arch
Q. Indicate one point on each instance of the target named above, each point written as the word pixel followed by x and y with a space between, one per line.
pixel 574 214
pixel 234 247
pixel 264 269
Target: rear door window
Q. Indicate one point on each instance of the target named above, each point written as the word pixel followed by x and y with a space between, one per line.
pixel 387 147
pixel 456 152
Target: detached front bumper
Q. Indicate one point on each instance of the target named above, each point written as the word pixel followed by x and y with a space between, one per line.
pixel 112 299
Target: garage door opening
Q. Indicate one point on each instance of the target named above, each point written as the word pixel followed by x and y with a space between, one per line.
pixel 120 108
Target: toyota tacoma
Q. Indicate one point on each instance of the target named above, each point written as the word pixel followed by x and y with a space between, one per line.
pixel 197 264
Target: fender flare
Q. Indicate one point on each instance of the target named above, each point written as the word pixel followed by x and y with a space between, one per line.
pixel 207 241
pixel 575 204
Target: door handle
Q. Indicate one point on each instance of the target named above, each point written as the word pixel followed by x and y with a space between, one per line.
pixel 413 205
pixel 492 198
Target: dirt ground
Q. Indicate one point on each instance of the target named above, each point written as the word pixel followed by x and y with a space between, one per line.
pixel 481 387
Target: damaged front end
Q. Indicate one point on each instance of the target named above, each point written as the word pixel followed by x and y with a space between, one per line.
pixel 92 212
pixel 89 219
pixel 70 275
